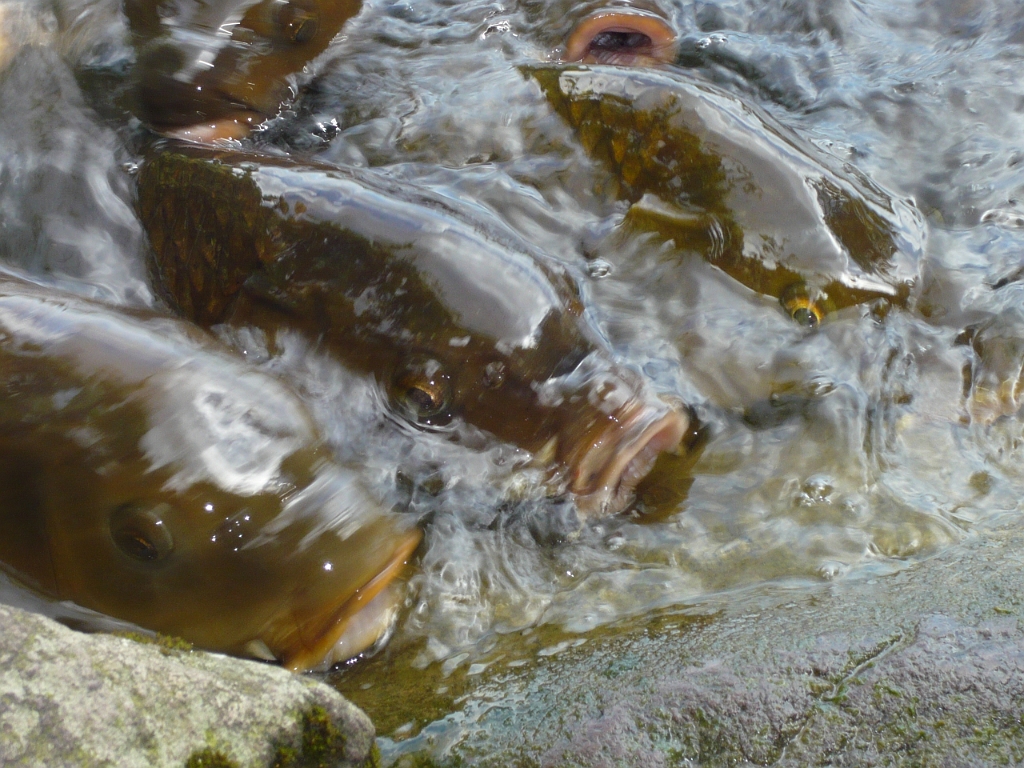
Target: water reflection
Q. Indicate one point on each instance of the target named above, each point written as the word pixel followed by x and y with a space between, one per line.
pixel 66 203
pixel 855 447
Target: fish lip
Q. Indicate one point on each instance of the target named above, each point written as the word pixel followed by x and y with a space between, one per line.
pixel 622 455
pixel 315 643
pixel 663 38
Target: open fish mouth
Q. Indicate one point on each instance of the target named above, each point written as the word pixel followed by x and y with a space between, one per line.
pixel 347 629
pixel 622 454
pixel 626 37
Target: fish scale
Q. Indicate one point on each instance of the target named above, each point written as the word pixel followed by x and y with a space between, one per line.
pixel 721 179
pixel 201 270
pixel 412 288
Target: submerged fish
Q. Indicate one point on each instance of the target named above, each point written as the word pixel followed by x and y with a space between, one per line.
pixel 147 474
pixel 721 179
pixel 455 318
pixel 213 70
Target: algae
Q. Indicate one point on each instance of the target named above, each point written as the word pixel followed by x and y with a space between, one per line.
pixel 167 644
pixel 210 758
pixel 322 745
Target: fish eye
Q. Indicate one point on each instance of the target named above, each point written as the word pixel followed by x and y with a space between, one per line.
pixel 297 24
pixel 140 531
pixel 494 374
pixel 423 391
pixel 800 306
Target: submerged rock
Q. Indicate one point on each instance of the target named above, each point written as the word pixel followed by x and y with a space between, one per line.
pixel 97 700
pixel 922 667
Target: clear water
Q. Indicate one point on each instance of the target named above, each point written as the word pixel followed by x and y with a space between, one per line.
pixel 850 450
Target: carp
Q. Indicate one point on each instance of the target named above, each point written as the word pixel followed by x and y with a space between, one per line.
pixel 455 318
pixel 209 71
pixel 149 475
pixel 720 178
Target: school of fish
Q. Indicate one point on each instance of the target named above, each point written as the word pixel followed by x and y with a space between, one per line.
pixel 151 474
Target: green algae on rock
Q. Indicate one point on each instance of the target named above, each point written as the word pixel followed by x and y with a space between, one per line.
pixel 322 745
pixel 90 700
pixel 210 758
pixel 167 644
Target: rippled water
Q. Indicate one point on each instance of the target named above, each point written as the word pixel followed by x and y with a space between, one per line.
pixel 848 450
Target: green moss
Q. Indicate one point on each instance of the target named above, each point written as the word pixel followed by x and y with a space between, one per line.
pixel 285 757
pixel 373 759
pixel 166 643
pixel 423 760
pixel 322 744
pixel 210 758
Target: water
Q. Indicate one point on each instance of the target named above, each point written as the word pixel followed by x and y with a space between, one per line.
pixel 848 451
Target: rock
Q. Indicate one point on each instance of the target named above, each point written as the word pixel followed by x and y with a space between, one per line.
pixel 921 667
pixel 72 699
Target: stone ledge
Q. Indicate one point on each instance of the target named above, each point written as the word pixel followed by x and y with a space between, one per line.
pixel 67 698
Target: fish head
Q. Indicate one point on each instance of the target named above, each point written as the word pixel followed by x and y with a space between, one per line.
pixel 209 511
pixel 460 322
pixel 593 423
pixel 209 71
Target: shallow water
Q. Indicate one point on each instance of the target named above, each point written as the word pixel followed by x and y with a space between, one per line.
pixel 846 451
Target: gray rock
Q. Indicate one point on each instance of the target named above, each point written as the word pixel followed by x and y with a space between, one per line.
pixel 72 699
pixel 921 667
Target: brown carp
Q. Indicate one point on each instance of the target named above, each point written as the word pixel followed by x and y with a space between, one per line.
pixel 455 318
pixel 720 178
pixel 213 70
pixel 147 474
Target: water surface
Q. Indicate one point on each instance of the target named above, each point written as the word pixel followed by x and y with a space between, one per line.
pixel 843 452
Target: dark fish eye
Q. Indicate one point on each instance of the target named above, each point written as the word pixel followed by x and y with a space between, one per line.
pixel 494 374
pixel 297 24
pixel 423 391
pixel 139 530
pixel 800 306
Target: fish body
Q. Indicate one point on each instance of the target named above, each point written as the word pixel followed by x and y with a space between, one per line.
pixel 213 70
pixel 456 319
pixel 147 474
pixel 720 178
